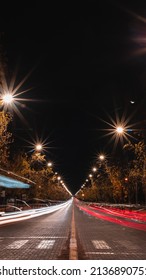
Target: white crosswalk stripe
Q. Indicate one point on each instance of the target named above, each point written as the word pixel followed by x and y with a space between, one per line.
pixel 17 244
pixel 43 244
pixel 46 244
pixel 100 244
pixel 128 244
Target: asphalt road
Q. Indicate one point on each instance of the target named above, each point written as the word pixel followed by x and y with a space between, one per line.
pixel 102 239
pixel 42 238
pixel 99 236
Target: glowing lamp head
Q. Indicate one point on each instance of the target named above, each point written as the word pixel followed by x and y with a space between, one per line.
pixel 7 98
pixel 49 164
pixel 94 169
pixel 101 157
pixel 120 130
pixel 39 147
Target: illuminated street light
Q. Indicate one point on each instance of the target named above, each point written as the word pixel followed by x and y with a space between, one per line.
pixel 102 161
pixel 94 169
pixel 7 98
pixel 102 157
pixel 91 179
pixel 119 130
pixel 49 164
pixel 38 147
pixel 58 178
pixel 126 179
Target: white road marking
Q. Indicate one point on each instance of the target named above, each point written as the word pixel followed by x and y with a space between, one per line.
pixel 73 250
pixel 33 237
pixel 100 253
pixel 17 244
pixel 111 253
pixel 128 244
pixel 100 244
pixel 131 253
pixel 46 244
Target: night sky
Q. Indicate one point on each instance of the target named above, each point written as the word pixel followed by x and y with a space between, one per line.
pixel 86 62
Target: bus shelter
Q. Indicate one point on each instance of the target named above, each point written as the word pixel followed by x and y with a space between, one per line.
pixel 11 181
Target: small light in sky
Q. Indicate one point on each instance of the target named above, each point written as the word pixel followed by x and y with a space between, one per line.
pixel 132 101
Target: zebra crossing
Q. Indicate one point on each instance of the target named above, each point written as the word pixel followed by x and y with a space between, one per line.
pixel 118 247
pixel 43 242
pixel 40 242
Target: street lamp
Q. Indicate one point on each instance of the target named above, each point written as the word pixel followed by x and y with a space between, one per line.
pixel 120 130
pixel 101 157
pixel 49 164
pixel 94 169
pixel 58 178
pixel 7 98
pixel 91 178
pixel 38 147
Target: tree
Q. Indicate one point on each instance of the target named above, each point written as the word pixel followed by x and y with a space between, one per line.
pixel 5 139
pixel 136 170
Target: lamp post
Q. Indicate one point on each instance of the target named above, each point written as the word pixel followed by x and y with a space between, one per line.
pixel 121 131
pixel 58 178
pixel 102 160
pixel 94 169
pixel 91 179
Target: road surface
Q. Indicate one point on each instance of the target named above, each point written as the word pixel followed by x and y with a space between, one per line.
pixel 90 233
